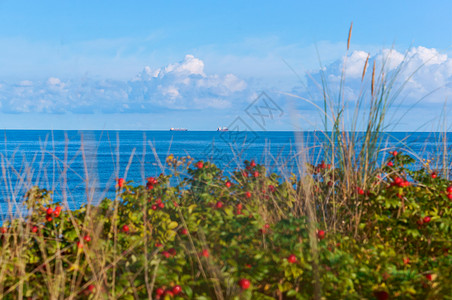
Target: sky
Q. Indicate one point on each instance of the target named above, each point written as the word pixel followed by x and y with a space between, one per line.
pixel 153 65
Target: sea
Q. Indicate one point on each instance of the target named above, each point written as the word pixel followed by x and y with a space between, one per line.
pixel 82 166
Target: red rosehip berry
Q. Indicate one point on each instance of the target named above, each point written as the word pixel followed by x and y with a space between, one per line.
pixel 154 207
pixel 228 184
pixel 292 259
pixel 395 153
pixel 172 251
pixel 87 238
pixel 252 164
pixel 166 254
pixel 321 234
pixel 429 277
pixel 360 191
pixel 266 226
pixel 49 218
pixel 125 228
pixel 449 196
pixel 34 229
pixel 449 189
pixel 176 289
pixel 120 182
pixel 244 284
pixel 271 188
pixel 256 174
pixel 205 253
pixel 248 195
pixel 90 288
pixel 245 174
pixel 239 206
pixel 426 219
pixel 219 204
pixel 434 175
pixel 381 295
pixel 49 211
pixel 184 231
pixel 406 260
pixel 199 164
pixel 79 244
pixel 390 164
pixel 3 230
pixel 398 181
pixel 168 293
pixel 161 205
pixel 159 291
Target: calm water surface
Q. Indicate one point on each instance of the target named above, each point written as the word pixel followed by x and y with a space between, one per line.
pixel 34 157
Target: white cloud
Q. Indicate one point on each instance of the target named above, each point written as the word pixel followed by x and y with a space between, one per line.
pixel 421 70
pixel 177 86
pixel 190 66
pixel 354 65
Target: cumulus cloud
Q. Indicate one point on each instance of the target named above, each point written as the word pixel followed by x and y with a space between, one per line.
pixel 177 86
pixel 424 73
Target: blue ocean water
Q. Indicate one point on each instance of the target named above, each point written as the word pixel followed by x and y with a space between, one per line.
pixel 86 163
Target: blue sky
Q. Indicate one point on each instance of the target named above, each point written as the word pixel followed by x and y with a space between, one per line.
pixel 200 64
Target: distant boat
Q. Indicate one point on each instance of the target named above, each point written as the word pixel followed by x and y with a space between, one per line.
pixel 178 129
pixel 222 129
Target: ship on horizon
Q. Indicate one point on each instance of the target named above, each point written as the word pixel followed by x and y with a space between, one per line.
pixel 222 129
pixel 178 129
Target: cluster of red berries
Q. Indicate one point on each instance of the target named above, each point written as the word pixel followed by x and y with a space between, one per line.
pixel 50 213
pixel 86 238
pixel 322 166
pixel 424 220
pixel 151 182
pixel 390 163
pixel 121 182
pixel 170 253
pixel 271 188
pixel 158 204
pixel 400 182
pixel 250 170
pixel 449 192
pixel 170 292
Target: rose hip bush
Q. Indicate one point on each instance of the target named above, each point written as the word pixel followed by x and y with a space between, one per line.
pixel 243 236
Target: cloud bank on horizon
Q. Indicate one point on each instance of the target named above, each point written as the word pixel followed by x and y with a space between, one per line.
pixel 185 85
